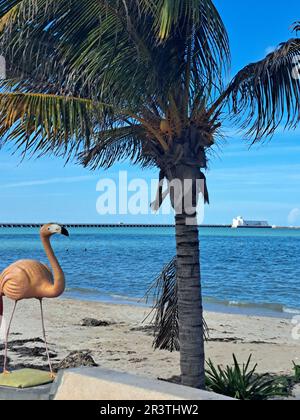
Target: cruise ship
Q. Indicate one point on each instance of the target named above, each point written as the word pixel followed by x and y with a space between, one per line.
pixel 240 222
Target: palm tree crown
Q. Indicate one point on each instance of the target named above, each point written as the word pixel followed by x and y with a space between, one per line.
pixel 117 79
pixel 147 71
pixel 150 70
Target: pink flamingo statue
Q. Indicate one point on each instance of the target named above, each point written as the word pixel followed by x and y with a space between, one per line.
pixel 29 279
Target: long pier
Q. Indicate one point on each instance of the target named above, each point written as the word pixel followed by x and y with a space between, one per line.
pixel 124 225
pixel 106 225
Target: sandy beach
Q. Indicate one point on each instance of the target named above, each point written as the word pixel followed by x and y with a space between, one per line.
pixel 125 344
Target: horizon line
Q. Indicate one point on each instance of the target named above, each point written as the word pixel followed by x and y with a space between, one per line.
pixel 138 225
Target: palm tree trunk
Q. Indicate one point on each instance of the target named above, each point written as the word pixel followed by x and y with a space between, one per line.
pixel 190 310
pixel 191 335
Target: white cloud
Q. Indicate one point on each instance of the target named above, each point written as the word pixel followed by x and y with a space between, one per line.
pixel 294 216
pixel 61 180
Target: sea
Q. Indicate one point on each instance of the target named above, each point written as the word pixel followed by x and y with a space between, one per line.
pixel 249 271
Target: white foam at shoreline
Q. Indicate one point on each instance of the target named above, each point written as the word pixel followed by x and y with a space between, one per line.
pixel 291 311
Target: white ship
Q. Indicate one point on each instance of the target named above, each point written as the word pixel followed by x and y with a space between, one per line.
pixel 240 222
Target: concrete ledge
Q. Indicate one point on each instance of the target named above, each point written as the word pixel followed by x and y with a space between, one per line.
pixel 29 394
pixel 102 384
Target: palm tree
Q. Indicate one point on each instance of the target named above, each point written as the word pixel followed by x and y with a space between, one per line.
pixel 145 80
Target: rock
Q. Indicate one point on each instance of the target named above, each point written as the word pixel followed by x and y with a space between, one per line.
pixel 13 343
pixel 77 359
pixel 224 340
pixel 33 352
pixel 26 341
pixel 91 322
pixel 149 329
pixel 44 367
pixel 137 360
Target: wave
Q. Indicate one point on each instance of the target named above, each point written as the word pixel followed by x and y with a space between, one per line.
pixel 251 307
pixel 100 295
pixel 84 291
pixel 292 311
pixel 273 307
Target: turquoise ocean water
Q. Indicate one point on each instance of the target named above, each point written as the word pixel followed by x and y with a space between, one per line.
pixel 253 271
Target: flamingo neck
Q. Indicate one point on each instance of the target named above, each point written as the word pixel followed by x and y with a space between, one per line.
pixel 58 275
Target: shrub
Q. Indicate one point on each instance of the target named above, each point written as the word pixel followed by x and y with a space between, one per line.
pixel 297 372
pixel 243 382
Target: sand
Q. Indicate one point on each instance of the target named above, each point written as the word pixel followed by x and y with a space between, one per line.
pixel 125 347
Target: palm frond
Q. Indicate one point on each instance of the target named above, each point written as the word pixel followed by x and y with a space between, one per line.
pixel 32 51
pixel 131 49
pixel 46 123
pixel 96 134
pixel 119 144
pixel 166 327
pixel 8 12
pixel 296 26
pixel 166 318
pixel 266 94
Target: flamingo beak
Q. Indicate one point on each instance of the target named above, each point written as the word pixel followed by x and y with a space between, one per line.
pixel 64 231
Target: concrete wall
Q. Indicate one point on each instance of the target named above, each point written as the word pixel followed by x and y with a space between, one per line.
pixel 103 384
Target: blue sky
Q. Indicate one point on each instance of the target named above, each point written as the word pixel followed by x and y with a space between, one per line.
pixel 260 183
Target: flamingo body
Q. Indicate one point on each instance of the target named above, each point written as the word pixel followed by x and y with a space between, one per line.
pixel 26 279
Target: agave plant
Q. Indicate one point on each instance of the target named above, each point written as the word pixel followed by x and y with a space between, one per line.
pixel 296 372
pixel 145 80
pixel 243 383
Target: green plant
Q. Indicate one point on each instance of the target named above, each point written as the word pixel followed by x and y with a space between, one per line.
pixel 243 382
pixel 297 372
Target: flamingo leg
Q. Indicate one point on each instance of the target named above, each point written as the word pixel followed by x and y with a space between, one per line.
pixel 5 371
pixel 45 340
